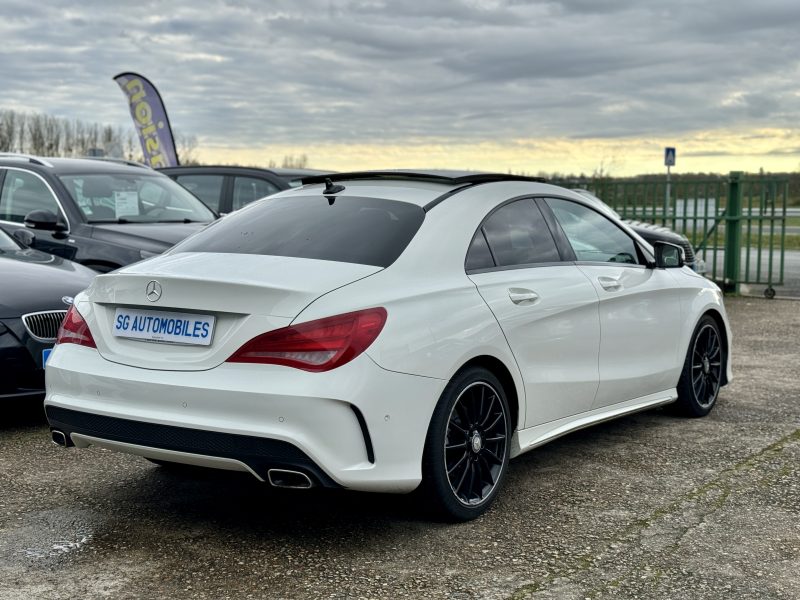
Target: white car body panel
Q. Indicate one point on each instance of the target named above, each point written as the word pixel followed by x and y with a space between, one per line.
pixel 555 339
pixel 310 410
pixel 257 293
pixel 640 313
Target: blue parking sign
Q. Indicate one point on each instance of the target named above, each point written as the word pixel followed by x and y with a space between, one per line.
pixel 669 157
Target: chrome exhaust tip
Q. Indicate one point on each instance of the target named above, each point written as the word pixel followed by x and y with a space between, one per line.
pixel 294 480
pixel 59 438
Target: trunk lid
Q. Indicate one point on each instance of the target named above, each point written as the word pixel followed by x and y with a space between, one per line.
pixel 246 294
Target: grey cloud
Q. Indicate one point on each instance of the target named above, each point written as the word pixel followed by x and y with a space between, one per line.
pixel 249 73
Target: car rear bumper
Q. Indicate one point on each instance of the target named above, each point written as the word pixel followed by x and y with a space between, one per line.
pixel 359 427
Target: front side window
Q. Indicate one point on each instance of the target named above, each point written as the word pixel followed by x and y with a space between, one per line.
pixel 250 189
pixel 592 236
pixel 23 192
pixel 517 234
pixel 367 231
pixel 134 198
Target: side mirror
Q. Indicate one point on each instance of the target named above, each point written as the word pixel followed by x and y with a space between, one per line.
pixel 24 237
pixel 46 220
pixel 668 256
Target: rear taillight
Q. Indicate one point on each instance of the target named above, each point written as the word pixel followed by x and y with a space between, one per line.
pixel 74 330
pixel 315 346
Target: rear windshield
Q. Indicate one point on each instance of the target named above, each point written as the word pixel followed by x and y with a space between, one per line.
pixel 366 231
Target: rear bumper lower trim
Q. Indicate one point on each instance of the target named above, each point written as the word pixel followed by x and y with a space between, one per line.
pixel 257 455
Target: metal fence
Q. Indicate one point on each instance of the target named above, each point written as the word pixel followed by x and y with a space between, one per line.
pixel 737 224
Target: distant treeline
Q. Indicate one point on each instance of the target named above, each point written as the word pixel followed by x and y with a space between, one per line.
pixel 45 135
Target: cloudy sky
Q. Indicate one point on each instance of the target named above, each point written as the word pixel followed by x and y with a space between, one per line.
pixel 570 85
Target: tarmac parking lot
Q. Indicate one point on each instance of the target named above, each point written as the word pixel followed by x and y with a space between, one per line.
pixel 649 506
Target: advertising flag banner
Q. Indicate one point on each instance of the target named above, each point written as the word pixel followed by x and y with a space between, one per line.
pixel 150 119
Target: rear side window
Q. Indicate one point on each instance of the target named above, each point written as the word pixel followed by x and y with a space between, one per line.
pixel 206 187
pixel 478 255
pixel 518 235
pixel 367 231
pixel 250 189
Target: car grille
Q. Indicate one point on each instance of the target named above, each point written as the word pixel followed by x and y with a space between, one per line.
pixel 44 325
pixel 688 251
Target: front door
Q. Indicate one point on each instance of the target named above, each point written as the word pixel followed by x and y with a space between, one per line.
pixel 639 310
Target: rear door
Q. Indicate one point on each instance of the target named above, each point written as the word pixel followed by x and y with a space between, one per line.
pixel 206 186
pixel 640 319
pixel 546 307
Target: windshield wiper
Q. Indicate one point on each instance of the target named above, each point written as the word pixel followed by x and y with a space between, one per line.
pixel 178 221
pixel 121 221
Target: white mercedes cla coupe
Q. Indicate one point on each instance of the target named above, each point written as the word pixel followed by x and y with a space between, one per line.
pixel 387 331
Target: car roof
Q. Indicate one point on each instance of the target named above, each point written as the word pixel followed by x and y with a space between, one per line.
pixel 282 172
pixel 290 172
pixel 66 166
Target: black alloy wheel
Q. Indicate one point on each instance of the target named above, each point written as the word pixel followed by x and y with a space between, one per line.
pixel 701 378
pixel 475 443
pixel 467 449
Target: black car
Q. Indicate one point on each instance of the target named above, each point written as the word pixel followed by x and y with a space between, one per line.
pixel 227 188
pixel 35 291
pixel 103 214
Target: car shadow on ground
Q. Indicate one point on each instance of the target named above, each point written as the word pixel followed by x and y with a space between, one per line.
pixel 173 498
pixel 23 413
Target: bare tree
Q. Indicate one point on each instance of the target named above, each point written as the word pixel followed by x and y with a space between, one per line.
pixel 51 128
pixel 185 146
pixel 21 135
pixel 36 134
pixel 8 130
pixel 291 161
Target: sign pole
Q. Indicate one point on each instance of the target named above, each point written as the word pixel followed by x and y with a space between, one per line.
pixel 669 161
pixel 667 195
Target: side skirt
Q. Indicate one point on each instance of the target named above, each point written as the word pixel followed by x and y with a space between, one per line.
pixel 530 438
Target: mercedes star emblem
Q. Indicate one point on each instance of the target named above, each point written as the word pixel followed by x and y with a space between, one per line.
pixel 153 291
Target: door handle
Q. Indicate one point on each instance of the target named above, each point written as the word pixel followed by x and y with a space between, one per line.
pixel 522 296
pixel 612 284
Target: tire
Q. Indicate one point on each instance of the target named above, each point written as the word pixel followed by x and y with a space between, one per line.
pixel 698 387
pixel 467 447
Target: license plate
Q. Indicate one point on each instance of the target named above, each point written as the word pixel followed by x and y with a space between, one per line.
pixel 45 355
pixel 159 326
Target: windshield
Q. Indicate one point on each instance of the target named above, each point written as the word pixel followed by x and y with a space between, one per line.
pixel 6 243
pixel 134 198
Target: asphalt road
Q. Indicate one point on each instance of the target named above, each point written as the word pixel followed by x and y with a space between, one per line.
pixel 791 273
pixel 649 506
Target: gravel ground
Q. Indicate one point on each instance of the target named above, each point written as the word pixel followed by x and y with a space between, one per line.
pixel 649 506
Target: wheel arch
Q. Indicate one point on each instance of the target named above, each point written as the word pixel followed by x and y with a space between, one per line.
pixel 499 369
pixel 723 331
